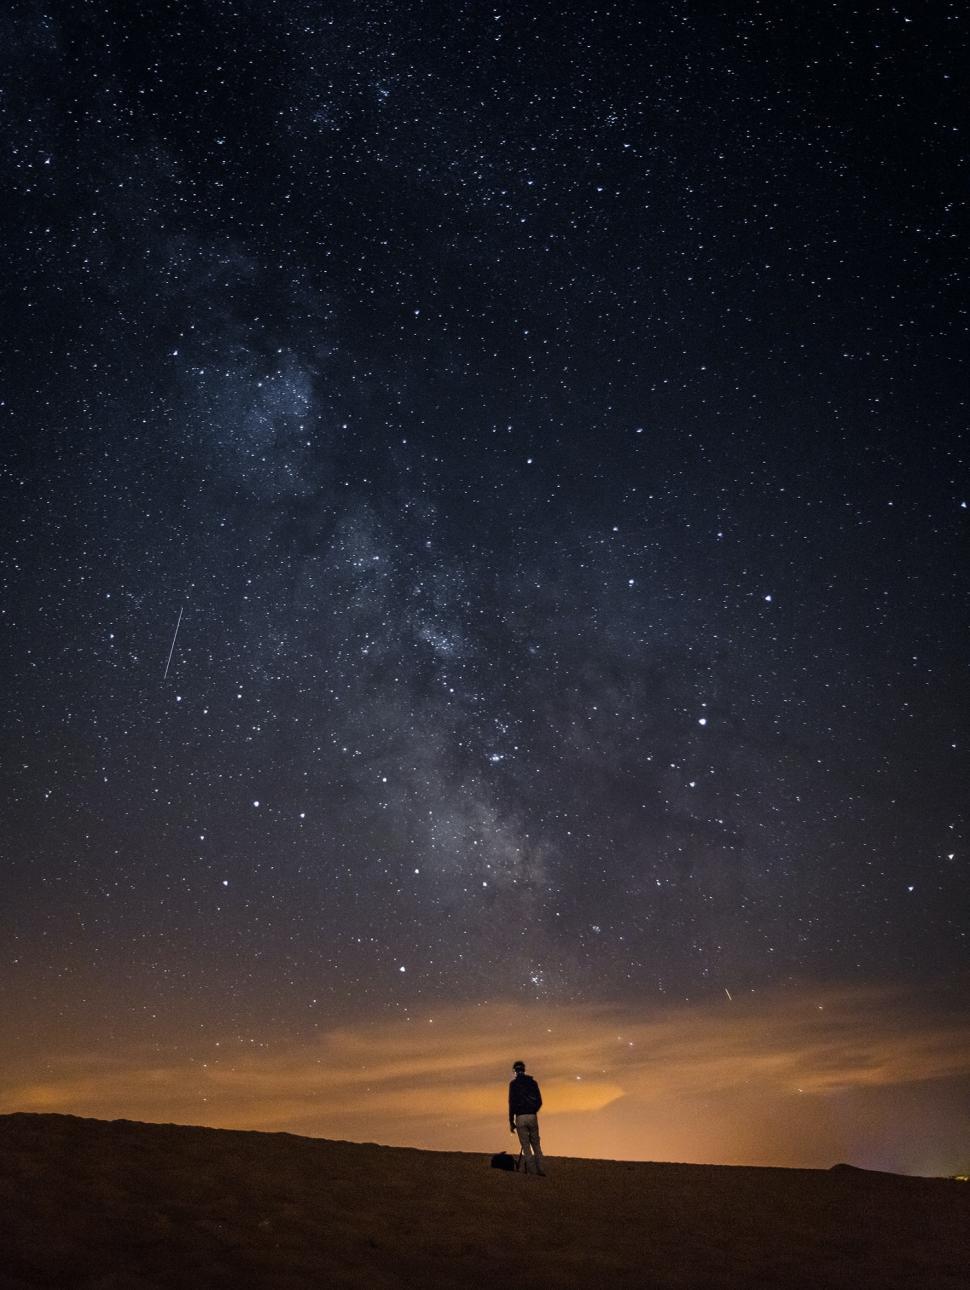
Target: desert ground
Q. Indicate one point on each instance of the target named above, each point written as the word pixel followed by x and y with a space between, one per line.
pixel 119 1205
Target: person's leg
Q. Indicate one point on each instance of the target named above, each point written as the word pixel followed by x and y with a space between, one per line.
pixel 538 1160
pixel 524 1129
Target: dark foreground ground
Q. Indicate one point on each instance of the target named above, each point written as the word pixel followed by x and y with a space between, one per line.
pixel 94 1205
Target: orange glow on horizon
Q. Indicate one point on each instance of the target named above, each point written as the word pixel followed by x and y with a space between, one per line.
pixel 776 1079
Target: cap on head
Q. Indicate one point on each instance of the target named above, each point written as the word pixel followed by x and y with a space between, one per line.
pixel 518 1066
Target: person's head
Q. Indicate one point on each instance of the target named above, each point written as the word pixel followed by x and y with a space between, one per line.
pixel 519 1068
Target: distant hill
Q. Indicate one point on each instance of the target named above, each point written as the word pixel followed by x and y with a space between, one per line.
pixel 97 1205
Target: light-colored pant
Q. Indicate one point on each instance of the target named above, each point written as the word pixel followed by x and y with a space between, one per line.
pixel 527 1127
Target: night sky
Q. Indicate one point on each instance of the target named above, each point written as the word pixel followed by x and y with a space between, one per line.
pixel 484 527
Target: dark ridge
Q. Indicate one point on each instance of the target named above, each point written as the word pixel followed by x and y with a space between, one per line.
pixel 121 1205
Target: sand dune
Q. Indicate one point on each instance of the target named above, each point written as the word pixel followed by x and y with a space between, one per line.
pixel 96 1205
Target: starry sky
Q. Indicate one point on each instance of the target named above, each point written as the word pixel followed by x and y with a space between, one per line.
pixel 484 526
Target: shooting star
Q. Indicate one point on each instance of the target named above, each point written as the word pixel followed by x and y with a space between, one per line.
pixel 168 663
pixel 729 994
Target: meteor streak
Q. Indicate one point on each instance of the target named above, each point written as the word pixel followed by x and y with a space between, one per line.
pixel 168 662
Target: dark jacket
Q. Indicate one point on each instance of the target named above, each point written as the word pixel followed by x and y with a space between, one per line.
pixel 524 1096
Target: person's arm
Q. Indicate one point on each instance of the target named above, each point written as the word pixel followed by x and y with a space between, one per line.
pixel 511 1112
pixel 539 1095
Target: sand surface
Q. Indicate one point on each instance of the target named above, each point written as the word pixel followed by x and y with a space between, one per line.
pixel 120 1205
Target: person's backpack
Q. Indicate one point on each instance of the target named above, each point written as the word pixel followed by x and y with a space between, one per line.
pixel 502 1160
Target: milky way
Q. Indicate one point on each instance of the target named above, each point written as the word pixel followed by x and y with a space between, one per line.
pixel 545 427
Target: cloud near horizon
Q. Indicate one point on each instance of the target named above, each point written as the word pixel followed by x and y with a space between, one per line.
pixel 783 1078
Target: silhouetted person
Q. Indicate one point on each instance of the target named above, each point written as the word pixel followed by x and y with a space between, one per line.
pixel 524 1103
